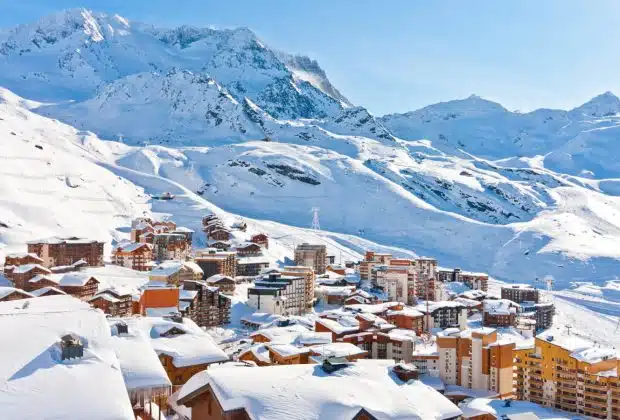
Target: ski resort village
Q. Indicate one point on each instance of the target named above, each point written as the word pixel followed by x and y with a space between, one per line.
pixel 196 225
pixel 160 329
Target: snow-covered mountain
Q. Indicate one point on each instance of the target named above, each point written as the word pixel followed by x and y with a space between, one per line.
pixel 224 121
pixel 72 54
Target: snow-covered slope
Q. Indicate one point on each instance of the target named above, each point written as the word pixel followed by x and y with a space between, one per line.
pixel 232 123
pixel 57 180
pixel 52 184
pixel 177 105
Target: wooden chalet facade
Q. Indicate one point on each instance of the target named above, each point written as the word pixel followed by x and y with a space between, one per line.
pixel 209 308
pixel 66 251
pixel 21 275
pixel 113 303
pixel 260 239
pixel 137 256
pixel 213 262
pixel 10 293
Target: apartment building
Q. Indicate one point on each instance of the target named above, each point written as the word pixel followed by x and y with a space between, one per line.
pixel 475 281
pixel 170 246
pixel 443 314
pixel 309 281
pixel 204 304
pixel 570 373
pixel 279 294
pixel 499 313
pixel 212 262
pixel 475 359
pixel 311 255
pixel 520 293
pixel 57 251
pixel 425 285
pixel 135 255
pixel 372 259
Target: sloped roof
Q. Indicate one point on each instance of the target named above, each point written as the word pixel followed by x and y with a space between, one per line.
pixel 314 394
pixel 38 384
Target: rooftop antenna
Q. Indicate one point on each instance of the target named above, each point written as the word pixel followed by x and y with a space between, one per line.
pixel 316 225
pixel 549 280
pixel 568 328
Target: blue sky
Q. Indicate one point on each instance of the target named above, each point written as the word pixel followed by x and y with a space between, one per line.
pixel 399 55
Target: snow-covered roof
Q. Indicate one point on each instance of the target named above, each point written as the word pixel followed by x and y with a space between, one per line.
pixel 339 327
pixel 132 246
pixel 261 318
pixel 59 240
pixel 316 394
pixel 337 350
pixel 216 278
pixel 166 269
pixel 498 409
pixel 256 259
pixel 473 294
pixel 183 229
pixel 20 269
pixel 6 290
pixel 260 352
pixel 282 335
pixel 434 306
pixel 402 334
pixel 343 291
pixel 193 347
pixel 500 306
pixel 594 354
pixel 75 279
pixel 140 365
pixel 470 303
pixel 44 290
pixel 24 255
pixel 185 294
pixel 288 350
pixel 406 311
pixel 38 384
pixel 313 337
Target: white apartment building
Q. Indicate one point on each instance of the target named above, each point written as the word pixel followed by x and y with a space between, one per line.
pixel 279 294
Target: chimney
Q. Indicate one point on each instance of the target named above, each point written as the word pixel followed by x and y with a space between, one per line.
pixel 332 364
pixel 122 328
pixel 71 347
pixel 405 371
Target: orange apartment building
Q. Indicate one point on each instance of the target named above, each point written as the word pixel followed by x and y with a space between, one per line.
pixel 407 318
pixel 571 374
pixel 476 360
pixel 137 256
pixel 371 259
pixel 159 299
pixel 67 251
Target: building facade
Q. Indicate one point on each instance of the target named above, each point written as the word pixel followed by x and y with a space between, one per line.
pixel 566 373
pixel 67 251
pixel 477 361
pixel 310 255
